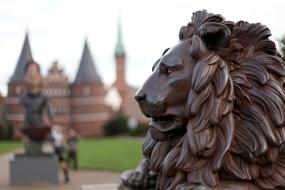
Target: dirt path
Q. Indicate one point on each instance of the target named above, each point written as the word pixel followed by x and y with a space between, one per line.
pixel 78 178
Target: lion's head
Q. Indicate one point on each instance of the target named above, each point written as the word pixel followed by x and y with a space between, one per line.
pixel 217 104
pixel 171 73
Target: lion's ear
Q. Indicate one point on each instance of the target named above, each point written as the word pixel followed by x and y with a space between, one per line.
pixel 215 35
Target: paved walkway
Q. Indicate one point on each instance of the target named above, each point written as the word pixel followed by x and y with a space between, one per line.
pixel 77 178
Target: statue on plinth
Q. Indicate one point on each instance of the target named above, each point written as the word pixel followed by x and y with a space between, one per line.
pixel 216 101
pixel 36 127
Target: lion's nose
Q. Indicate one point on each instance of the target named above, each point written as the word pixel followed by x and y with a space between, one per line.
pixel 140 97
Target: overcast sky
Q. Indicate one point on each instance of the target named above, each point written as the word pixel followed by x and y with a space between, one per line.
pixel 57 30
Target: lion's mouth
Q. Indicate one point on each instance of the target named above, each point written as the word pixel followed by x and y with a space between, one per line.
pixel 163 119
pixel 166 123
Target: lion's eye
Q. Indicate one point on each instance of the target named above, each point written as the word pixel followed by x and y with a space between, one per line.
pixel 169 71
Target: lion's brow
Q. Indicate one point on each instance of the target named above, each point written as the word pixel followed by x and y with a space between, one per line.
pixel 154 65
pixel 172 61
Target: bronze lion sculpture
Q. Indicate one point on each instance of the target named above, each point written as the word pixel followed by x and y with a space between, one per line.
pixel 217 106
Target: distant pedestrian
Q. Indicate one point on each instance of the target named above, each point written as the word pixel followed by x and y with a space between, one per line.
pixel 58 144
pixel 72 139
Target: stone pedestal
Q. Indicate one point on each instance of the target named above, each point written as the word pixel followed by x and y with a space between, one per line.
pixel 112 186
pixel 38 169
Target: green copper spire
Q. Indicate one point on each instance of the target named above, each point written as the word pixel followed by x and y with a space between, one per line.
pixel 120 49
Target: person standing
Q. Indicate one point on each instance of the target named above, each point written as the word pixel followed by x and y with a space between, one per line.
pixel 58 143
pixel 72 139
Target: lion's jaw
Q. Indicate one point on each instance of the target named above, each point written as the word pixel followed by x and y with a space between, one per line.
pixel 164 121
pixel 161 128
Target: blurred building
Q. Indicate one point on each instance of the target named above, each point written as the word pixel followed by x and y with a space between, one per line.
pixel 13 111
pixel 2 103
pixel 56 86
pixel 5 131
pixel 88 108
pixel 81 104
pixel 128 106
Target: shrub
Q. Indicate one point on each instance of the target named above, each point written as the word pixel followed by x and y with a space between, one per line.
pixel 6 130
pixel 140 130
pixel 117 126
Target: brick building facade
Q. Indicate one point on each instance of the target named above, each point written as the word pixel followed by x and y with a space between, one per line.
pixel 56 86
pixel 80 104
pixel 13 111
pixel 88 108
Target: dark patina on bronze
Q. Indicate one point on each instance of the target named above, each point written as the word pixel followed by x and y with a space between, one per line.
pixel 217 106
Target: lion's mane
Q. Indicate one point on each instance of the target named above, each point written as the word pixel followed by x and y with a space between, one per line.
pixel 236 108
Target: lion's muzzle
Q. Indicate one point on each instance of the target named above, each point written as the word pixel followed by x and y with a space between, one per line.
pixel 148 106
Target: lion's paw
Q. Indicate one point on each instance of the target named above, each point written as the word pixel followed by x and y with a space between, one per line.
pixel 138 179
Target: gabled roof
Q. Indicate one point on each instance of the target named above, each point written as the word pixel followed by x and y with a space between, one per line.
pixel 55 68
pixel 25 57
pixel 56 75
pixel 87 72
pixel 119 49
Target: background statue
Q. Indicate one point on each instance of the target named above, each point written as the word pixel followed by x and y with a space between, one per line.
pixel 34 102
pixel 217 107
pixel 34 166
pixel 36 127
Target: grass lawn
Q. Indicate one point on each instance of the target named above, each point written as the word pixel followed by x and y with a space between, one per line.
pixel 6 146
pixel 115 154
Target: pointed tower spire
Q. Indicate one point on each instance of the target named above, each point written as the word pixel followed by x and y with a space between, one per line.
pixel 120 58
pixel 86 72
pixel 119 49
pixel 25 57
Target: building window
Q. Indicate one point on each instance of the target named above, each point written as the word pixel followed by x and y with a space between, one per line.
pixel 52 93
pixel 45 92
pixel 60 92
pixel 55 92
pixel 18 90
pixel 86 91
